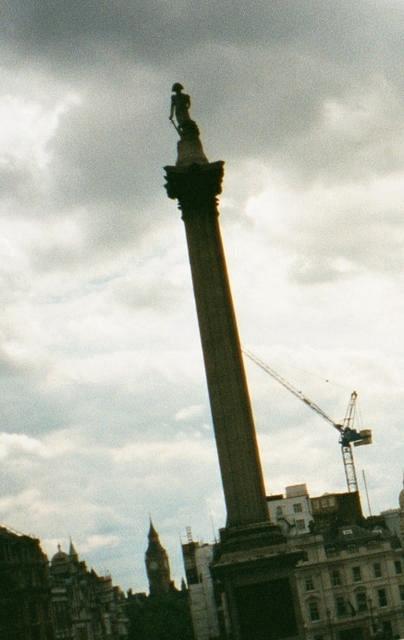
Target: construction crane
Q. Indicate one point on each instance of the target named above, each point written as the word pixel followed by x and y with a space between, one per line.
pixel 348 435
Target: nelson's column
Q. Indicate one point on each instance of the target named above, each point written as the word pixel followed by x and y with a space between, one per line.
pixel 253 564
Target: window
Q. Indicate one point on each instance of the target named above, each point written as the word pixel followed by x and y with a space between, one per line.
pixel 373 545
pixel 309 584
pixel 300 525
pixel 382 596
pixel 398 567
pixel 340 606
pixel 335 578
pixel 352 548
pixel 356 574
pixel 377 569
pixel 313 610
pixel 361 601
pixel 297 507
pixel 401 591
pixel 279 512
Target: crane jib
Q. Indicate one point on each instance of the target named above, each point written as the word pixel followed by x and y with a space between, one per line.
pixel 347 433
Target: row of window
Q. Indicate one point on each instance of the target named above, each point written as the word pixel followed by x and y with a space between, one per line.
pixel 297 508
pixel 386 627
pixel 344 606
pixel 325 502
pixel 333 552
pixel 336 576
pixel 299 522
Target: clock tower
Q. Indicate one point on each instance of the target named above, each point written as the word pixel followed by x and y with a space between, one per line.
pixel 157 565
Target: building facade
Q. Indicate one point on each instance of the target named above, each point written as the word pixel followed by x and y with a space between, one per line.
pixel 350 584
pixel 85 606
pixel 351 587
pixel 24 588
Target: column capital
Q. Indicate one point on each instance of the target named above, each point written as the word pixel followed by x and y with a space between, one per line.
pixel 196 185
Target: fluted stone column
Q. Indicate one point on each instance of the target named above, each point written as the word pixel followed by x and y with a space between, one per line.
pixel 196 187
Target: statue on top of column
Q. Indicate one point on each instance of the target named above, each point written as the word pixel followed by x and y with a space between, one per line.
pixel 180 104
pixel 190 149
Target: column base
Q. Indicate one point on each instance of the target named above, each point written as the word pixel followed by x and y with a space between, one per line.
pixel 254 569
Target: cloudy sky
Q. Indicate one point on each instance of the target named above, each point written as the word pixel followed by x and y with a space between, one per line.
pixel 104 409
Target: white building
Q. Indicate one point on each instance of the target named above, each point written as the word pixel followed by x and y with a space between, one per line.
pixel 292 512
pixel 204 604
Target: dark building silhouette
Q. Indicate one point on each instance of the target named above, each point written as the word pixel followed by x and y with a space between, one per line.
pixel 85 606
pixel 157 565
pixel 24 589
pixel 163 617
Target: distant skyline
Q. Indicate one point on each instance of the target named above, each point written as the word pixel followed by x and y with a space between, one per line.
pixel 104 409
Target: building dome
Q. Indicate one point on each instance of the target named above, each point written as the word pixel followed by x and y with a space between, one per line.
pixel 60 556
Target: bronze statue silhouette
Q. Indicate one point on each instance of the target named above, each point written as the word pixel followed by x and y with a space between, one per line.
pixel 190 149
pixel 180 105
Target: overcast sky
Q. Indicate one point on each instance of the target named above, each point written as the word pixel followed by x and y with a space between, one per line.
pixel 104 409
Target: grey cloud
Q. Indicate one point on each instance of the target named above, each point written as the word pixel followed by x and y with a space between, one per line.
pixel 15 181
pixel 349 244
pixel 8 367
pixel 151 286
pixel 111 409
pixel 338 231
pixel 265 71
pixel 104 149
pixel 24 409
pixel 70 32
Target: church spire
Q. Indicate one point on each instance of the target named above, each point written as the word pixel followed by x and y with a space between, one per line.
pixel 73 555
pixel 152 535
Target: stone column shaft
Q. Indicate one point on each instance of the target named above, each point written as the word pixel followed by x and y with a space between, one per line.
pixel 196 189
